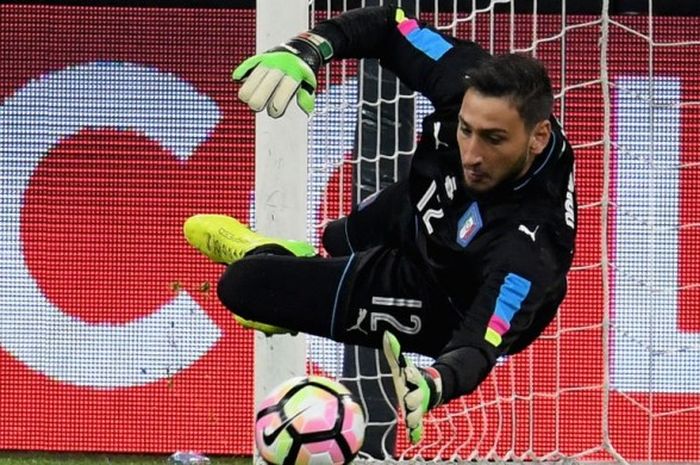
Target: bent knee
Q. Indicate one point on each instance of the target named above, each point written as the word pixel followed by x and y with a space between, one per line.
pixel 334 238
pixel 236 287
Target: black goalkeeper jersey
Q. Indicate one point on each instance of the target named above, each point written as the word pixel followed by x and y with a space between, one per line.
pixel 501 257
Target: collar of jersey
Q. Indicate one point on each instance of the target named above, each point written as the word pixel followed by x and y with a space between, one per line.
pixel 539 164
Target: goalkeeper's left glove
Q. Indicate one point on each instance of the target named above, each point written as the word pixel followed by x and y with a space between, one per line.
pixel 275 77
pixel 418 389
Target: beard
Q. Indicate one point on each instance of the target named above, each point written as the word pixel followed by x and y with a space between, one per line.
pixel 520 167
pixel 483 182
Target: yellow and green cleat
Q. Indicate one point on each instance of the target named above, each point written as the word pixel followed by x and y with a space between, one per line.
pixel 223 239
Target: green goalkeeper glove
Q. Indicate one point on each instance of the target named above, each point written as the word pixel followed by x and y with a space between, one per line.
pixel 418 389
pixel 273 78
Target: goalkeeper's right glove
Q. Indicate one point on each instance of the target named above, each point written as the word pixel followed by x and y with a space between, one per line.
pixel 274 77
pixel 418 389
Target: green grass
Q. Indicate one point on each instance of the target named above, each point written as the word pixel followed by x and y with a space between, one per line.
pixel 50 458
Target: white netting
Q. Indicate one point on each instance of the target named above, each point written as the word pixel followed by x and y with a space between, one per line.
pixel 617 375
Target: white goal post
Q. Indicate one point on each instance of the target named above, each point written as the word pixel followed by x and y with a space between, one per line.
pixel 616 377
pixel 280 188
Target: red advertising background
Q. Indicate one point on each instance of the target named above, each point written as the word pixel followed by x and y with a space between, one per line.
pixel 101 235
pixel 101 229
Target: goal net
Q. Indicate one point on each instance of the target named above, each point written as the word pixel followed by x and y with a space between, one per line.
pixel 616 377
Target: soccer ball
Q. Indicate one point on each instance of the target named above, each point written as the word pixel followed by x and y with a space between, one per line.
pixel 309 420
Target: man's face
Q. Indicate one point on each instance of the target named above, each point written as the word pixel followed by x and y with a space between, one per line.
pixel 494 144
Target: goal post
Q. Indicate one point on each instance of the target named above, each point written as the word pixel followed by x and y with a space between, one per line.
pixel 280 188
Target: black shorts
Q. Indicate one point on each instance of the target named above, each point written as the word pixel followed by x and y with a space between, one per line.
pixel 375 281
pixel 387 286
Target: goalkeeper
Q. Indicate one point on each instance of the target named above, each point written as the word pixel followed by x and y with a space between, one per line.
pixel 465 261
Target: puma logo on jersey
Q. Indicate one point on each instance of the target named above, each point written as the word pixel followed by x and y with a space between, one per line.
pixel 436 135
pixel 531 234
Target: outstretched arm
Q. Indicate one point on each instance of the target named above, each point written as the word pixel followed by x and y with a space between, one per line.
pixel 518 298
pixel 422 58
pixel 523 286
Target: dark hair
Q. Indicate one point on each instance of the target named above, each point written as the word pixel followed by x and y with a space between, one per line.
pixel 521 78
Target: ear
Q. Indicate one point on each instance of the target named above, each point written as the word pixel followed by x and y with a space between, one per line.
pixel 539 137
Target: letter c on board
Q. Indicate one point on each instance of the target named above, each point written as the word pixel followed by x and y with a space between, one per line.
pixel 33 120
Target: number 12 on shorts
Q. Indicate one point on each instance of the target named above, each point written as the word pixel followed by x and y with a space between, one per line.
pixel 412 327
